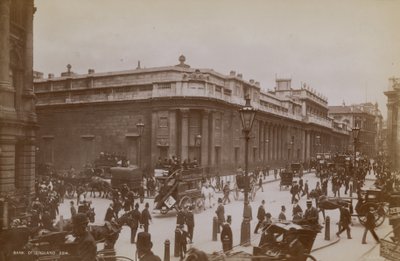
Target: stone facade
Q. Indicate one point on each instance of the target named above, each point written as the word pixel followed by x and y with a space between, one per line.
pixel 368 118
pixel 18 121
pixel 393 122
pixel 83 115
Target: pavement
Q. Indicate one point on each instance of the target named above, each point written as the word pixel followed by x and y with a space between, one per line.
pixel 163 226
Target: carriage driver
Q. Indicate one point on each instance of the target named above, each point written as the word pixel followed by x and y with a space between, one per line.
pixel 311 214
pixel 84 245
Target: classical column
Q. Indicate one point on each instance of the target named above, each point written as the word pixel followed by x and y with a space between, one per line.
pixel 278 142
pixel 184 134
pixel 261 141
pixel 204 137
pixel 155 152
pixel 172 150
pixel 308 145
pixel 4 43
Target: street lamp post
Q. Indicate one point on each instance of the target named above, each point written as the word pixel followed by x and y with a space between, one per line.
pixel 247 115
pixel 356 132
pixel 140 127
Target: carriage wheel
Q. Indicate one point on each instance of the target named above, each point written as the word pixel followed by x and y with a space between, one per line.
pixel 69 191
pixel 379 214
pixel 185 202
pixel 199 205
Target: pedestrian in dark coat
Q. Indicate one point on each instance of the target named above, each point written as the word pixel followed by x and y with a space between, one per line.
pixel 110 213
pixel 72 208
pixel 294 190
pixel 184 236
pixel 189 218
pixel 226 235
pixel 260 216
pixel 180 217
pixel 296 209
pixel 136 217
pixel 145 217
pixel 220 213
pixel 144 246
pixel 282 215
pixel 370 226
pixel 141 193
pixel 345 221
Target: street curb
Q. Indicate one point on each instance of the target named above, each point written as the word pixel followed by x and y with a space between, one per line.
pixel 325 246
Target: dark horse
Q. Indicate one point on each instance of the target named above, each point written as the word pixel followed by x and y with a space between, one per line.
pixel 325 203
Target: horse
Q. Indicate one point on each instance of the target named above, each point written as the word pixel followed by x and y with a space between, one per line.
pixel 325 203
pixel 109 232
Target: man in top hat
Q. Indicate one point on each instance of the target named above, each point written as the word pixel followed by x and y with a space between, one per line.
pixel 183 237
pixel 135 216
pixel 226 191
pixel 226 235
pixel 370 226
pixel 345 221
pixel 146 217
pixel 260 216
pixel 282 215
pixel 85 245
pixel 220 212
pixel 297 210
pixel 189 219
pixel 144 246
pixel 311 214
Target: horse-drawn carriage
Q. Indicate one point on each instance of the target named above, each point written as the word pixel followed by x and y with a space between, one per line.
pixel 131 176
pixel 297 169
pixel 376 199
pixel 286 179
pixel 180 189
pixel 75 184
pixel 276 238
pixel 242 183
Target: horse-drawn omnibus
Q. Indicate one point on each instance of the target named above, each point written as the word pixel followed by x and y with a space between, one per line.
pixel 180 189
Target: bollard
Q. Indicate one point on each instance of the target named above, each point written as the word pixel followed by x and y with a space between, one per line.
pixel 215 229
pixel 61 224
pixel 166 250
pixel 351 190
pixel 177 247
pixel 327 228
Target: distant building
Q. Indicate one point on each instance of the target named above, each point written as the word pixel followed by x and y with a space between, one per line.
pixel 187 112
pixel 368 118
pixel 393 121
pixel 17 105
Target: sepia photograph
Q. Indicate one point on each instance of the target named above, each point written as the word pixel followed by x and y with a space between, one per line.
pixel 199 130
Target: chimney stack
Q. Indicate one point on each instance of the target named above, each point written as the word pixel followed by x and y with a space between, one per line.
pixel 91 71
pixel 51 75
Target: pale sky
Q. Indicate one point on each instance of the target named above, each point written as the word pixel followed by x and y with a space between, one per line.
pixel 344 49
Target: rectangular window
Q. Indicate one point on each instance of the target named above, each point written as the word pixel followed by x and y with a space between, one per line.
pixel 163 122
pixel 164 85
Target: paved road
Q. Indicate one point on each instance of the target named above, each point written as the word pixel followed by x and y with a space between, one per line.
pixel 163 226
